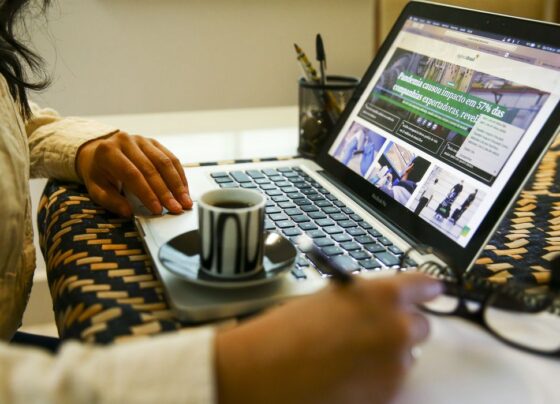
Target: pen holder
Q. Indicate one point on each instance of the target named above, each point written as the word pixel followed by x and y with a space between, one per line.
pixel 320 107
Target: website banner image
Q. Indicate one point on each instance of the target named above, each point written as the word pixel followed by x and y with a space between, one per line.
pixel 359 148
pixel 471 120
pixel 448 203
pixel 397 172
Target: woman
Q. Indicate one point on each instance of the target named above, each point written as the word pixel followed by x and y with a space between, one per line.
pixel 295 353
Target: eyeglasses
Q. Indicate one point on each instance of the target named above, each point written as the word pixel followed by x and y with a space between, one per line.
pixel 526 318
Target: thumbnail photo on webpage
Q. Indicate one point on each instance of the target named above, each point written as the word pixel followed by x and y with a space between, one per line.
pixel 394 169
pixel 448 203
pixel 469 119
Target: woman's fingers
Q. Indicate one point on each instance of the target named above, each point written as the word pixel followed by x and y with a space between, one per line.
pixel 108 195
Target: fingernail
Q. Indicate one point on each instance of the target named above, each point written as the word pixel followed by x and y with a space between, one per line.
pixel 156 207
pixel 186 200
pixel 174 205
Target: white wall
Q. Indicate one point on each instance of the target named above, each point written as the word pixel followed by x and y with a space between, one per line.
pixel 133 56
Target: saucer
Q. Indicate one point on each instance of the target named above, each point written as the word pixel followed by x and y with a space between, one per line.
pixel 181 255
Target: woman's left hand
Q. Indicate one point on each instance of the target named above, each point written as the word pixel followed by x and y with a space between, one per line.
pixel 141 165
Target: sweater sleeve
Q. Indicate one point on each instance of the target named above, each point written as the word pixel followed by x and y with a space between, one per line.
pixel 170 368
pixel 54 142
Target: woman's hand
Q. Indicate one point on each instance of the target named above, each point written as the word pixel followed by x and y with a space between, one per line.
pixel 345 345
pixel 141 165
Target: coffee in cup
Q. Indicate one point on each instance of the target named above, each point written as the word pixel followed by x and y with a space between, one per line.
pixel 231 227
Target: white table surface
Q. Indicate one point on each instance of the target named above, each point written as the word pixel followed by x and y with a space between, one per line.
pixel 460 363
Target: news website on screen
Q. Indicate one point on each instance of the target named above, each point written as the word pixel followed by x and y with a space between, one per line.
pixel 447 118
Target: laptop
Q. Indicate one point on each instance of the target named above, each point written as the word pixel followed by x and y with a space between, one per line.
pixel 449 121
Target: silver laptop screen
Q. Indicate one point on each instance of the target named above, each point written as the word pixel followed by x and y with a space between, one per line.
pixel 447 118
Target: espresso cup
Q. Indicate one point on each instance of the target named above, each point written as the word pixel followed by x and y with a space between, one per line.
pixel 231 227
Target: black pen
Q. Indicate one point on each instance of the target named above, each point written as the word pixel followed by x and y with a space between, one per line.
pixel 321 57
pixel 330 266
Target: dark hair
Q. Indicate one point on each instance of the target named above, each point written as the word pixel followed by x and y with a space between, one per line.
pixel 16 57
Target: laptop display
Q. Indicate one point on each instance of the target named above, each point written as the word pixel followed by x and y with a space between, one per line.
pixel 445 119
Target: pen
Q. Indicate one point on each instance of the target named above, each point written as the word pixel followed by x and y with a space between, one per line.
pixel 321 57
pixel 327 265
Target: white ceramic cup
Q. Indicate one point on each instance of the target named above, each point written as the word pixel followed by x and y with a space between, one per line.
pixel 231 227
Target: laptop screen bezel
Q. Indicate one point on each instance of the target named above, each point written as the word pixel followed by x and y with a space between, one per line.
pixel 415 228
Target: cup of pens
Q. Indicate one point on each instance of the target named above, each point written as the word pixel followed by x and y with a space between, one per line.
pixel 320 106
pixel 322 99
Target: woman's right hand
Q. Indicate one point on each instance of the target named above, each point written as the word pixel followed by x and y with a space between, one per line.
pixel 349 344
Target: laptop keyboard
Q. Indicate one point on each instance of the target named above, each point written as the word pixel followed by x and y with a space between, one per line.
pixel 297 204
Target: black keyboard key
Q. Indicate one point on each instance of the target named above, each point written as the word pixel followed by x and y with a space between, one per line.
pixel 279 216
pixel 331 210
pixel 365 225
pixel 278 179
pixel 220 174
pixel 240 176
pixel 270 172
pixel 323 204
pixel 375 248
pixel 316 234
pixel 387 258
pixel 290 174
pixel 330 197
pixel 295 195
pixel 374 233
pixel 308 226
pixel 269 225
pixel 284 169
pixel 365 239
pixel 248 185
pixel 302 261
pixel 285 224
pixel 370 264
pixel 395 250
pixel 223 180
pixel 314 214
pixel 299 274
pixel 338 216
pixel 302 201
pixel 360 255
pixel 281 199
pixel 356 217
pixel 266 187
pixel 347 263
pixel 356 231
pixel 310 208
pixel 333 250
pixel 254 174
pixel 308 190
pixel 273 209
pixel 325 222
pixel 341 237
pixel 323 242
pixel 348 211
pixel 269 203
pixel 351 246
pixel 285 203
pixel 347 224
pixel 333 230
pixel 291 231
pixel 262 181
pixel 300 218
pixel 283 184
pixel 290 190
pixel 385 241
pixel 339 204
pixel 315 197
pixel 273 192
pixel 293 212
pixel 229 185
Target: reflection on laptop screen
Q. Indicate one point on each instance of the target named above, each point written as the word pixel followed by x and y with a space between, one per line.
pixel 444 123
